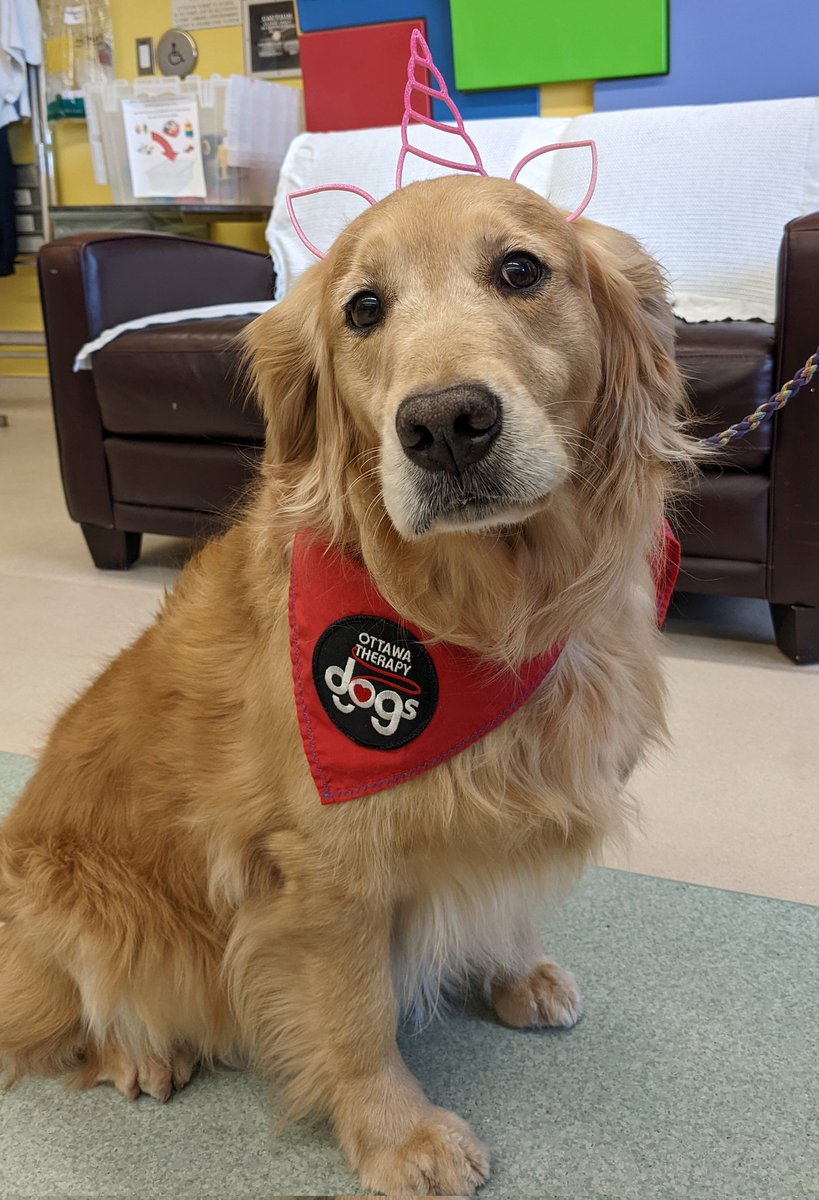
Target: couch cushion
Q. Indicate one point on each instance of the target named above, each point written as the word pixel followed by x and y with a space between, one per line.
pixel 726 518
pixel 183 380
pixel 729 369
pixel 197 476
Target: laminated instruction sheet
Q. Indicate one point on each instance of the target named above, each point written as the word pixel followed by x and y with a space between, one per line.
pixel 164 148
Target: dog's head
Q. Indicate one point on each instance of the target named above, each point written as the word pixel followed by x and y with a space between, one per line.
pixel 462 354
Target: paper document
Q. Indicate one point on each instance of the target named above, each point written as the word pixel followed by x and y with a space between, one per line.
pixel 164 148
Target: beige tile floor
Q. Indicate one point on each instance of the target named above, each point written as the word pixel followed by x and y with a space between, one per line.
pixel 734 803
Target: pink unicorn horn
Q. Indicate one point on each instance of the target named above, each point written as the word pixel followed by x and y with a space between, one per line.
pixel 420 57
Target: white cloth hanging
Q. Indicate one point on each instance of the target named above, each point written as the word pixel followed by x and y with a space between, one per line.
pixel 21 46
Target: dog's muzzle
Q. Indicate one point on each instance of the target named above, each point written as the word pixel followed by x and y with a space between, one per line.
pixel 449 430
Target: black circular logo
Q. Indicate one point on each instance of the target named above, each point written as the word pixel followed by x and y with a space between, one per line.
pixel 377 683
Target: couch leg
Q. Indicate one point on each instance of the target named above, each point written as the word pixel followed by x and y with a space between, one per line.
pixel 112 549
pixel 797 631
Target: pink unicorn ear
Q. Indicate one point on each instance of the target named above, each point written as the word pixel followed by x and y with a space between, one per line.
pixel 420 56
pixel 327 187
pixel 581 208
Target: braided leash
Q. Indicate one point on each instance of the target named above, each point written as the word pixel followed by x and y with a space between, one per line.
pixel 766 410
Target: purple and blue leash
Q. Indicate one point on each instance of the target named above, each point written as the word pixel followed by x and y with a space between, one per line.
pixel 766 410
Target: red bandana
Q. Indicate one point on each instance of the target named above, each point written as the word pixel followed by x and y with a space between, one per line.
pixel 376 704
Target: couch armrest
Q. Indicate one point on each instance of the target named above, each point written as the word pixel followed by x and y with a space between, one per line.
pixel 89 282
pixel 73 397
pixel 794 514
pixel 124 276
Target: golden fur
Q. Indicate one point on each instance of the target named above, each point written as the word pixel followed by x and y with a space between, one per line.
pixel 172 890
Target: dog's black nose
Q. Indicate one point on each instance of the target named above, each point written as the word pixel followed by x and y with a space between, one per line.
pixel 449 430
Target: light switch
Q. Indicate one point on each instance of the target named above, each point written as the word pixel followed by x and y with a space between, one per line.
pixel 145 56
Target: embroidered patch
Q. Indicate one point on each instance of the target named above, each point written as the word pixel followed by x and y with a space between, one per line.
pixel 376 682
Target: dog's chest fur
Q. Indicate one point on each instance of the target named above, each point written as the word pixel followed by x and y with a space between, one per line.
pixel 515 821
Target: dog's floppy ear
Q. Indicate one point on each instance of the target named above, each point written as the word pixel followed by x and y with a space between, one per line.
pixel 310 441
pixel 640 414
pixel 282 349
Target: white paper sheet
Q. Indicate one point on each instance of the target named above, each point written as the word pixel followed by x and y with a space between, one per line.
pixel 205 14
pixel 164 148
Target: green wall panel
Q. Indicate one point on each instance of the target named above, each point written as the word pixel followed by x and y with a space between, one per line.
pixel 518 42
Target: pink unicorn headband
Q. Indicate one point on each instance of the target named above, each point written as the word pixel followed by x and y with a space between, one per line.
pixel 420 56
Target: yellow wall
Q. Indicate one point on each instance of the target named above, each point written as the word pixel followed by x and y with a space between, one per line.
pixel 19 294
pixel 220 50
pixel 20 313
pixel 73 167
pixel 21 142
pixel 566 99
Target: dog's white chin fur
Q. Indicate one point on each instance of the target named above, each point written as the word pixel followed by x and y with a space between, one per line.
pixel 528 460
pixel 501 516
pixel 530 484
pixel 487 514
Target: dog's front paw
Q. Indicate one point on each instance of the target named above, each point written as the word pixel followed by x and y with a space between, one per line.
pixel 440 1157
pixel 160 1078
pixel 547 996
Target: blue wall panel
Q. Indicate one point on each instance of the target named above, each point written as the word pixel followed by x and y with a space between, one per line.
pixel 725 50
pixel 342 14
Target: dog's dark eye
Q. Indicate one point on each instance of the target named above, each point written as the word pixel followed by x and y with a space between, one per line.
pixel 520 271
pixel 365 310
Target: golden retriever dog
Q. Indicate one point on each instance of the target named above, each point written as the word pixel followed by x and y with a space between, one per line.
pixel 479 403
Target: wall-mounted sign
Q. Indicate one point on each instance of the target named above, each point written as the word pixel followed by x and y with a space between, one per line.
pixel 271 39
pixel 206 14
pixel 176 53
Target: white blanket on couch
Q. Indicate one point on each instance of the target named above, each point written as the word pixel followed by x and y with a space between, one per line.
pixel 706 189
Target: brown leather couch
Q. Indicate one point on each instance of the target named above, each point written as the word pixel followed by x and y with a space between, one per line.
pixel 161 437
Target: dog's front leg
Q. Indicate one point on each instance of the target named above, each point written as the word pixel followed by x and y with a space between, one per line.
pixel 312 985
pixel 542 994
